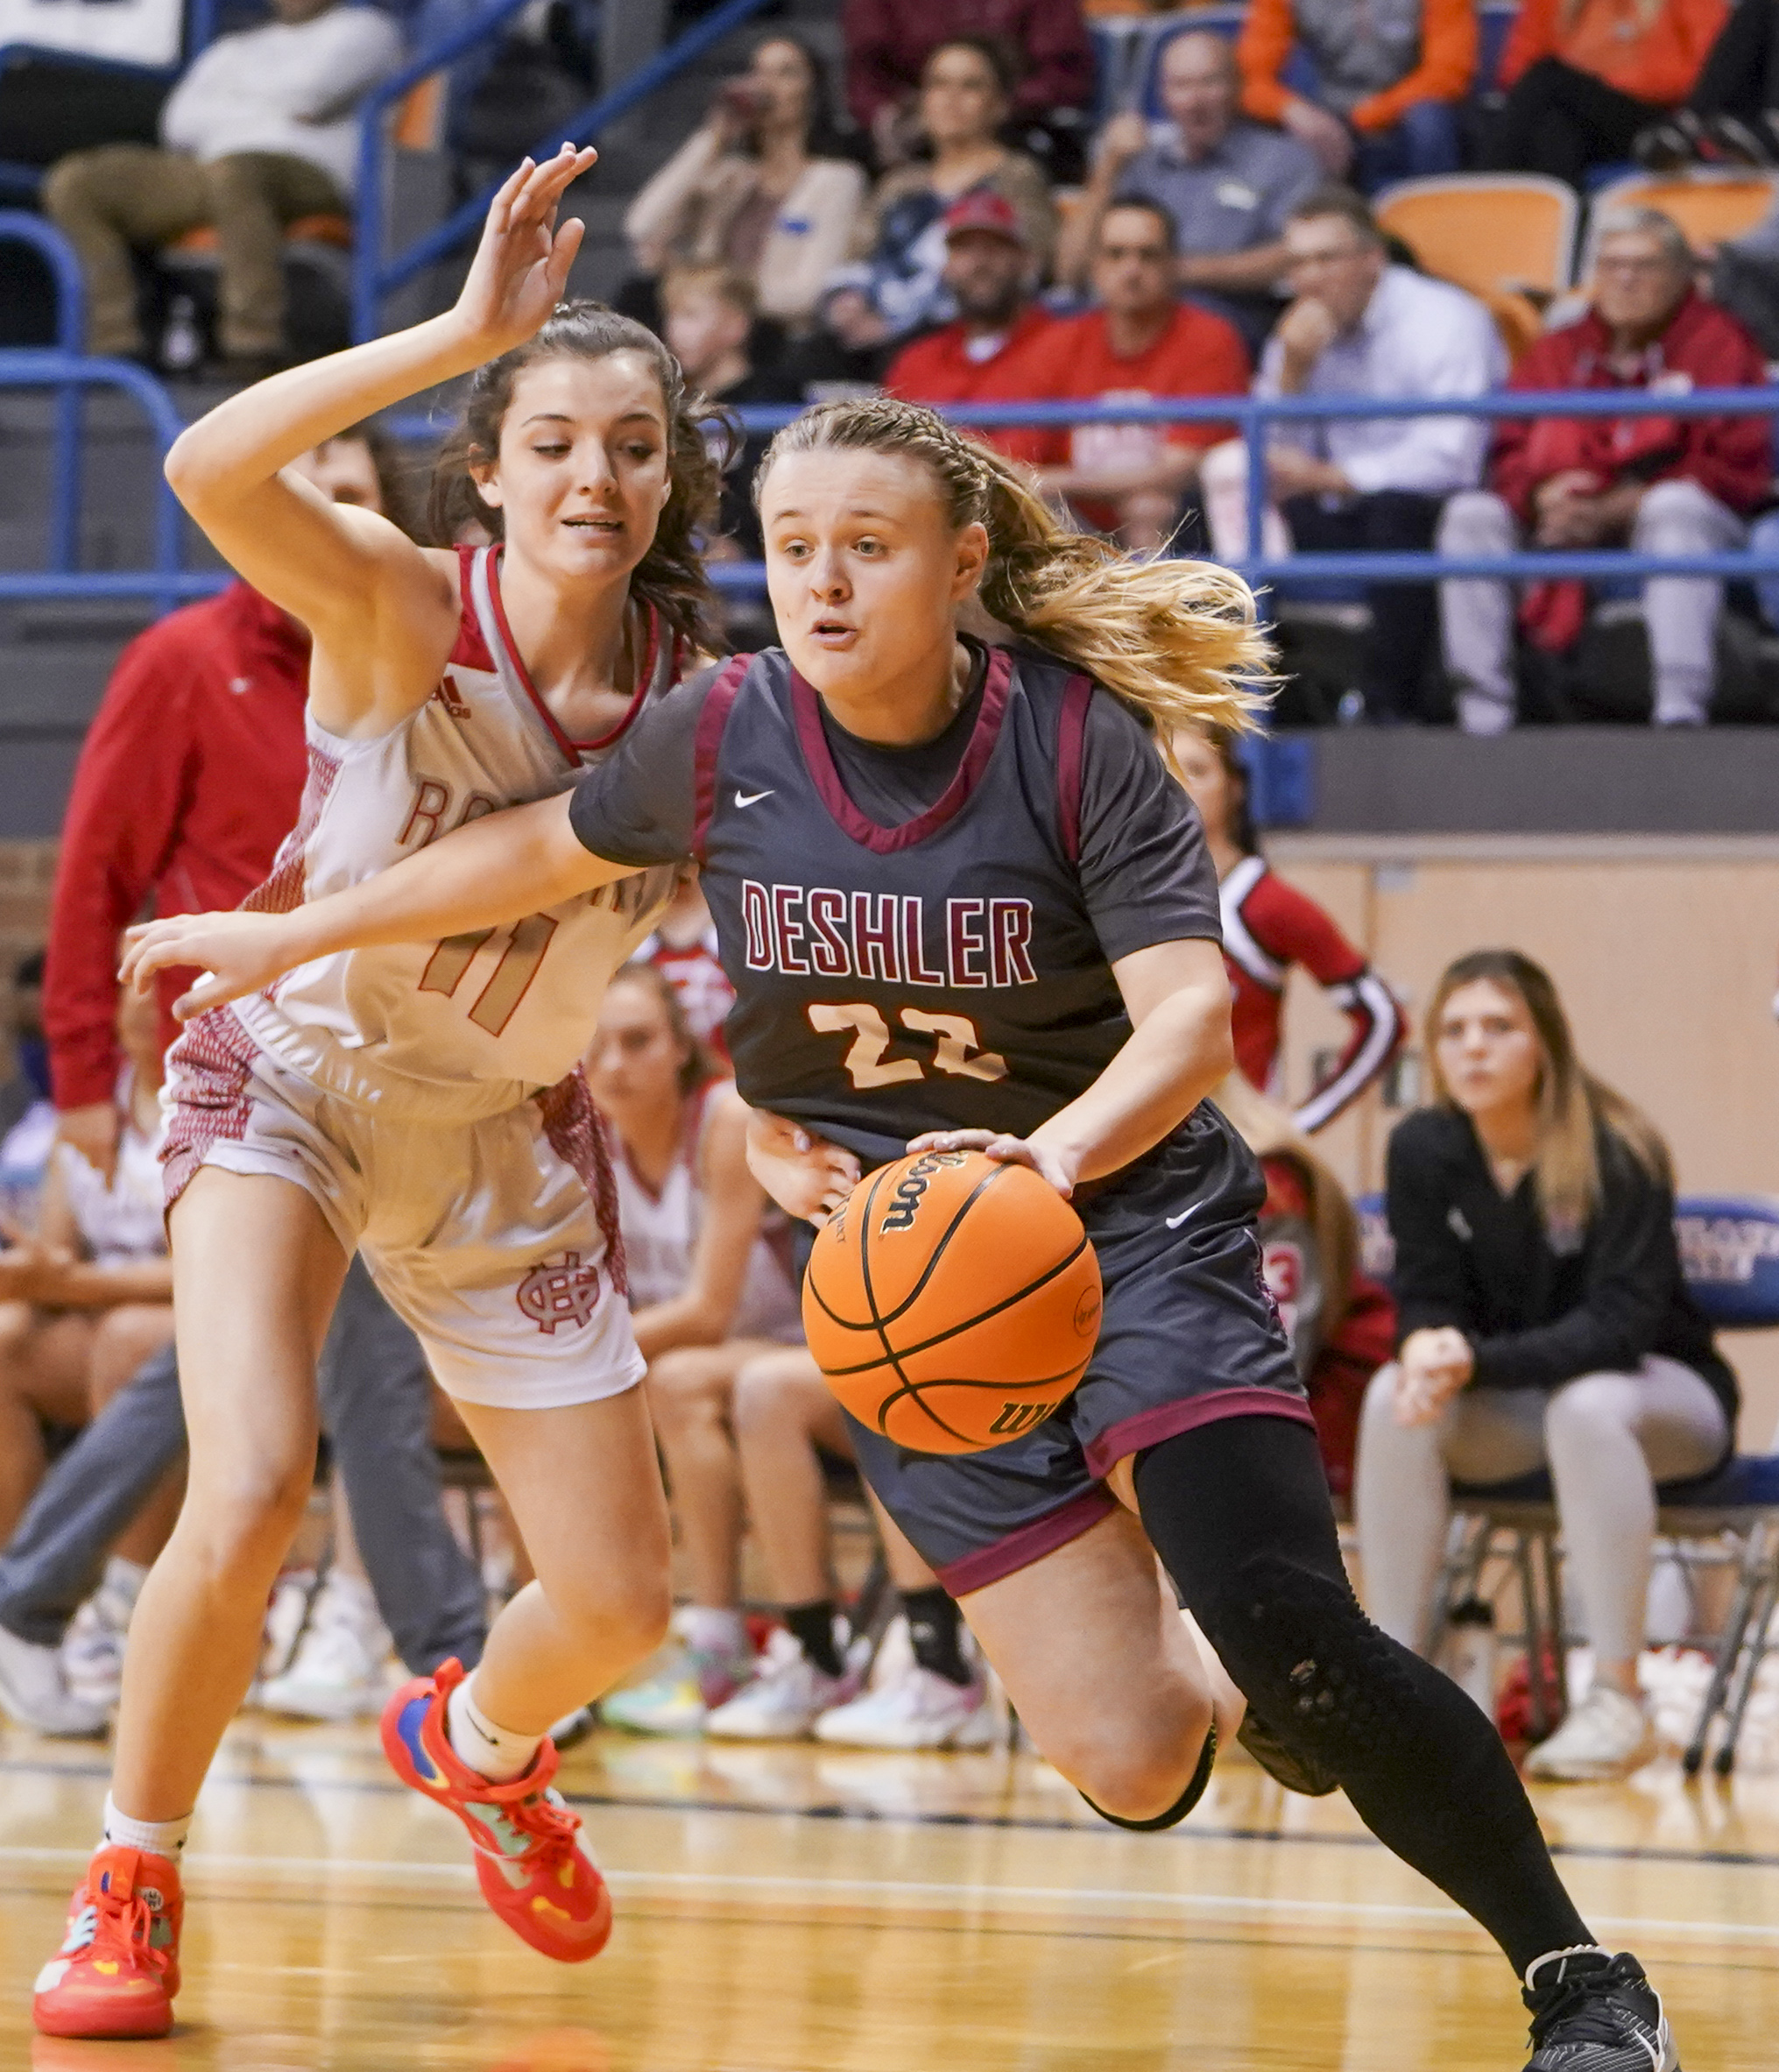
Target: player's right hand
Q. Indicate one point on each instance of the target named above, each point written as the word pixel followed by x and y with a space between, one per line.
pixel 807 1177
pixel 238 953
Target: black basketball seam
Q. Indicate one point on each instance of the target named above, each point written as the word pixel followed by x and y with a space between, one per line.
pixel 963 1208
pixel 907 1388
pixel 952 1330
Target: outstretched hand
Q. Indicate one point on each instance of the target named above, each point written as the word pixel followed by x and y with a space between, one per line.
pixel 521 266
pixel 807 1177
pixel 238 953
pixel 1004 1149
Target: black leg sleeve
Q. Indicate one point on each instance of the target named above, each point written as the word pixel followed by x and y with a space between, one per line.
pixel 1239 1513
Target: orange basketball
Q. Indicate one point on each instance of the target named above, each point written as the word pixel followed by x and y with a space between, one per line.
pixel 952 1303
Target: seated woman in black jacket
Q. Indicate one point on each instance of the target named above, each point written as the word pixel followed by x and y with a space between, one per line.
pixel 1542 1320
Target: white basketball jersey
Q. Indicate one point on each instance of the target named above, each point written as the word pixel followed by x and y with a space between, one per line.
pixel 477 1023
pixel 661 1233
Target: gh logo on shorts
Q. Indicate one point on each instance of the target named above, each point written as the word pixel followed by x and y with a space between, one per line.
pixel 565 1292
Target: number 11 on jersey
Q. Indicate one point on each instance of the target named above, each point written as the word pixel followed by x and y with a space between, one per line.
pixel 510 979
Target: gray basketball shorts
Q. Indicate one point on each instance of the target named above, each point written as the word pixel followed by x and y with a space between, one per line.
pixel 1190 1334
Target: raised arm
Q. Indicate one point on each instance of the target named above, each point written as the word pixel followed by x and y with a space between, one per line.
pixel 381 610
pixel 497 869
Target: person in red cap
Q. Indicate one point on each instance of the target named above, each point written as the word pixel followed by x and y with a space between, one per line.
pixel 1142 344
pixel 986 354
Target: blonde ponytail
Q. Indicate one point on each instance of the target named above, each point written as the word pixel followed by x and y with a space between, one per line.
pixel 1176 640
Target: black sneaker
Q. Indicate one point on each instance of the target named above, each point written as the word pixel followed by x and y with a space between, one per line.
pixel 1295 1772
pixel 1591 2012
pixel 1667 146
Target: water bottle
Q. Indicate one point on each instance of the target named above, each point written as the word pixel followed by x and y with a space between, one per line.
pixel 182 343
pixel 1469 1651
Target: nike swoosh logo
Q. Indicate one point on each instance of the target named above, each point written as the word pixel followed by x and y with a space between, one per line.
pixel 750 798
pixel 1174 1222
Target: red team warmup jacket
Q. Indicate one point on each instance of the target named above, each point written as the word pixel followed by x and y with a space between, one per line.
pixel 190 777
pixel 1267 927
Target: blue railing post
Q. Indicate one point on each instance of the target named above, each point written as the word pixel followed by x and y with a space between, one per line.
pixel 18 227
pixel 1253 432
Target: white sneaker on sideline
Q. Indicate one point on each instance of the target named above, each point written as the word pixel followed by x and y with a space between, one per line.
pixel 1606 1735
pixel 914 1708
pixel 92 1647
pixel 783 1699
pixel 34 1693
pixel 691 1684
pixel 337 1673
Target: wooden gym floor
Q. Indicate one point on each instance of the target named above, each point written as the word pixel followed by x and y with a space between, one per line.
pixel 791 1910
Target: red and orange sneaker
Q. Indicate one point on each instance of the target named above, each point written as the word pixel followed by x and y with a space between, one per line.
pixel 532 1866
pixel 119 1968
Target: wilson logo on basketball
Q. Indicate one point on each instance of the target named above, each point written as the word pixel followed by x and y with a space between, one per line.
pixel 563 1293
pixel 914 1184
pixel 1020 1417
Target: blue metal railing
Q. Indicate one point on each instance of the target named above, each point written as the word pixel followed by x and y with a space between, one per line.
pixel 18 227
pixel 166 581
pixel 1251 416
pixel 373 276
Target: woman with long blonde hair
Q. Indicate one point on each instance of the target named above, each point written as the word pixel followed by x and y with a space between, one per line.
pixel 965 905
pixel 1543 1322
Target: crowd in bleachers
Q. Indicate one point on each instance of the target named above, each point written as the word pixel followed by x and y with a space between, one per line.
pixel 968 211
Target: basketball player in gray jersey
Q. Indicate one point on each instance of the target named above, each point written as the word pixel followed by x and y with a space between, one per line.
pixel 963 904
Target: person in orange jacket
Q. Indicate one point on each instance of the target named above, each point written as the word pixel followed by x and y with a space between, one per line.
pixel 1388 78
pixel 1584 76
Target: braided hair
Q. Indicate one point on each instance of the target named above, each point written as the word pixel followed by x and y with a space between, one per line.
pixel 1177 641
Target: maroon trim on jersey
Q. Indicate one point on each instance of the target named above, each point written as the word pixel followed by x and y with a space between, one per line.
pixel 287 886
pixel 708 741
pixel 471 649
pixel 806 709
pixel 1168 1420
pixel 1077 695
pixel 573 750
pixel 575 1132
pixel 982 1565
pixel 207 1071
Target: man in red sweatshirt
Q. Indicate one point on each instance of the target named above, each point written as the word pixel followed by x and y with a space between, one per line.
pixel 986 355
pixel 1657 484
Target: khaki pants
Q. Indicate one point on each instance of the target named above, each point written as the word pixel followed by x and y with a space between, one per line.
pixel 130 196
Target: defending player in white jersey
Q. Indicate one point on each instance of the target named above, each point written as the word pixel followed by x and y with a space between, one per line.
pixel 424 1102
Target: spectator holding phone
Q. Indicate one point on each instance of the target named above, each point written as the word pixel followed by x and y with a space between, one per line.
pixel 761 186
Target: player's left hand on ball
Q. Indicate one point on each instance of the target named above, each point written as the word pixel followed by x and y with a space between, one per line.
pixel 238 953
pixel 1004 1150
pixel 807 1177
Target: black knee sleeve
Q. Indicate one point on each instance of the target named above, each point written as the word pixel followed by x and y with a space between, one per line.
pixel 1183 1805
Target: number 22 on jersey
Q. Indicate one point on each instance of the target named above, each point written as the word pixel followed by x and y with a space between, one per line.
pixel 957 1050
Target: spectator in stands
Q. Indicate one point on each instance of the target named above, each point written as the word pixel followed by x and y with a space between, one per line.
pixel 1341 1323
pixel 1358 326
pixel 807 1680
pixel 986 354
pixel 89 1297
pixel 708 1291
pixel 1141 343
pixel 1269 929
pixel 897 282
pixel 190 776
pixel 889 44
pixel 1584 78
pixel 1659 484
pixel 1543 1322
pixel 1387 79
pixel 1731 115
pixel 707 322
pixel 1229 183
pixel 762 188
pixel 260 132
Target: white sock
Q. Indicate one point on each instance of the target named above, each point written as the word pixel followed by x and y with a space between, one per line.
pixel 714 1630
pixel 494 1752
pixel 159 1838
